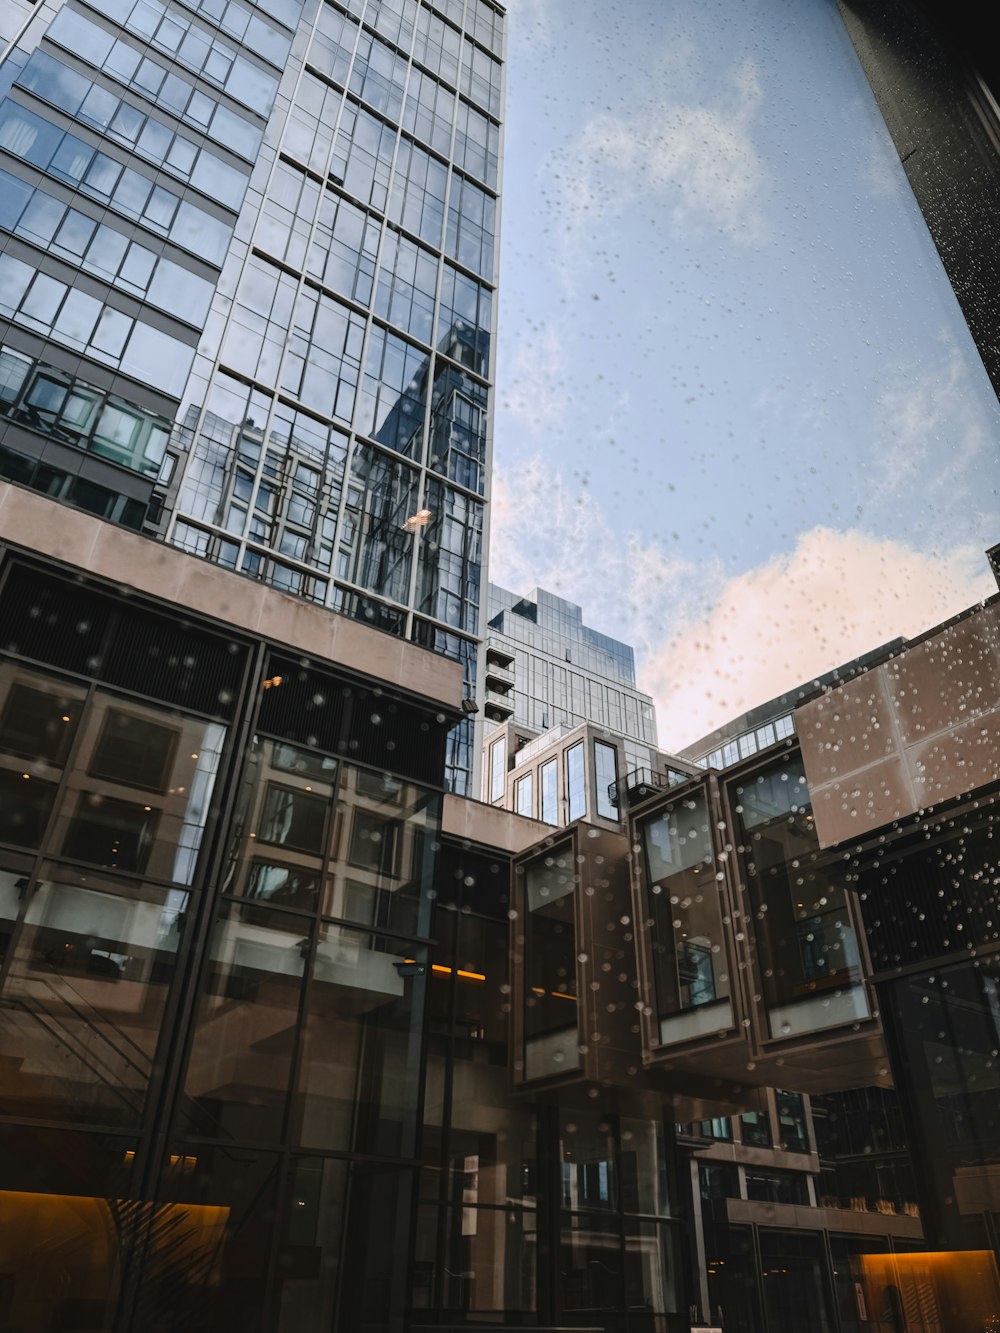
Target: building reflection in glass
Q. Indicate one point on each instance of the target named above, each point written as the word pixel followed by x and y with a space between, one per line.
pixel 807 942
pixel 685 902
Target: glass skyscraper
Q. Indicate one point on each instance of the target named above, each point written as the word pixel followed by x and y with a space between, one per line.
pixel 247 266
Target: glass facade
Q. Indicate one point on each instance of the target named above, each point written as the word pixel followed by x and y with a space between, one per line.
pixel 566 673
pixel 690 958
pixel 214 969
pixel 807 939
pixel 247 256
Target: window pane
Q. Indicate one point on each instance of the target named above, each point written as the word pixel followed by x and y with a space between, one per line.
pixel 134 751
pixel 498 768
pixel 241 1059
pixel 689 950
pixel 84 998
pixel 550 999
pixel 293 818
pixel 357 1084
pixel 576 788
pixel 548 782
pixel 606 764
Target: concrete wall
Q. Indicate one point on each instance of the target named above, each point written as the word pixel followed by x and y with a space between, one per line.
pixel 95 547
pixel 916 731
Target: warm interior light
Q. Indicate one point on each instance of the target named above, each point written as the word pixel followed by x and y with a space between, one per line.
pixel 417 520
pixel 444 971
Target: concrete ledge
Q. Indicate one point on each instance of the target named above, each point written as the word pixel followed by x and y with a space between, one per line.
pixel 475 821
pixel 91 546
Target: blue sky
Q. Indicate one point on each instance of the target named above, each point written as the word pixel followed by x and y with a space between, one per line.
pixel 740 417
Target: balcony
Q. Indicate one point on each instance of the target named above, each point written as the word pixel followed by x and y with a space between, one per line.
pixel 500 657
pixel 642 783
pixel 499 704
pixel 499 677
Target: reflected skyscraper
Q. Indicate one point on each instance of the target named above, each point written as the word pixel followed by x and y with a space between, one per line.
pixel 247 267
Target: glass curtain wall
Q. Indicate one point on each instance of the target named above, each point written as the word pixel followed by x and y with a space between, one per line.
pixel 334 170
pixel 620 1252
pixel 551 1004
pixel 226 949
pixel 477 1234
pixel 685 901
pixel 807 942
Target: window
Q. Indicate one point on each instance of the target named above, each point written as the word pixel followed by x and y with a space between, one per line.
pixel 498 768
pixel 777 1186
pixel 606 769
pixel 756 1128
pixel 576 784
pixel 523 795
pixel 134 752
pixel 373 842
pixel 293 818
pixel 793 1134
pixel 112 833
pixel 283 886
pixel 39 723
pixel 548 783
pixel 689 946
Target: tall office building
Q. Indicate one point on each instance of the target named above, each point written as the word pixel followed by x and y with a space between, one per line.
pixel 559 670
pixel 247 302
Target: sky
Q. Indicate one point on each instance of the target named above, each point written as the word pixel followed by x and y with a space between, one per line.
pixel 740 419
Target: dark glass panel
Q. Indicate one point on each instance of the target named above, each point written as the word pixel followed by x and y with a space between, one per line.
pixel 112 833
pixel 587 1161
pixel 84 996
pixel 310 1235
pixel 653 1271
pixel 550 998
pixel 25 806
pixel 207 1265
pixel 241 1056
pixel 282 886
pixel 134 751
pixel 644 1168
pixel 689 950
pixel 810 958
pixel 776 1186
pixel 591 1269
pixel 849 1295
pixel 732 1278
pixel 62 1227
pixel 756 1128
pixel 492 1151
pixel 293 818
pixel 794 1280
pixel 377 1232
pixel 359 1064
pixel 490 1261
pixel 39 720
pixel 793 1133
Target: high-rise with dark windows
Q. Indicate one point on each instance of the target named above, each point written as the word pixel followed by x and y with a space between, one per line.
pixel 247 267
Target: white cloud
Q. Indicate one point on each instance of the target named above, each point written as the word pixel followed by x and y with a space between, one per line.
pixel 881 169
pixel 835 596
pixel 535 390
pixel 699 158
pixel 530 19
pixel 929 423
pixel 708 647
